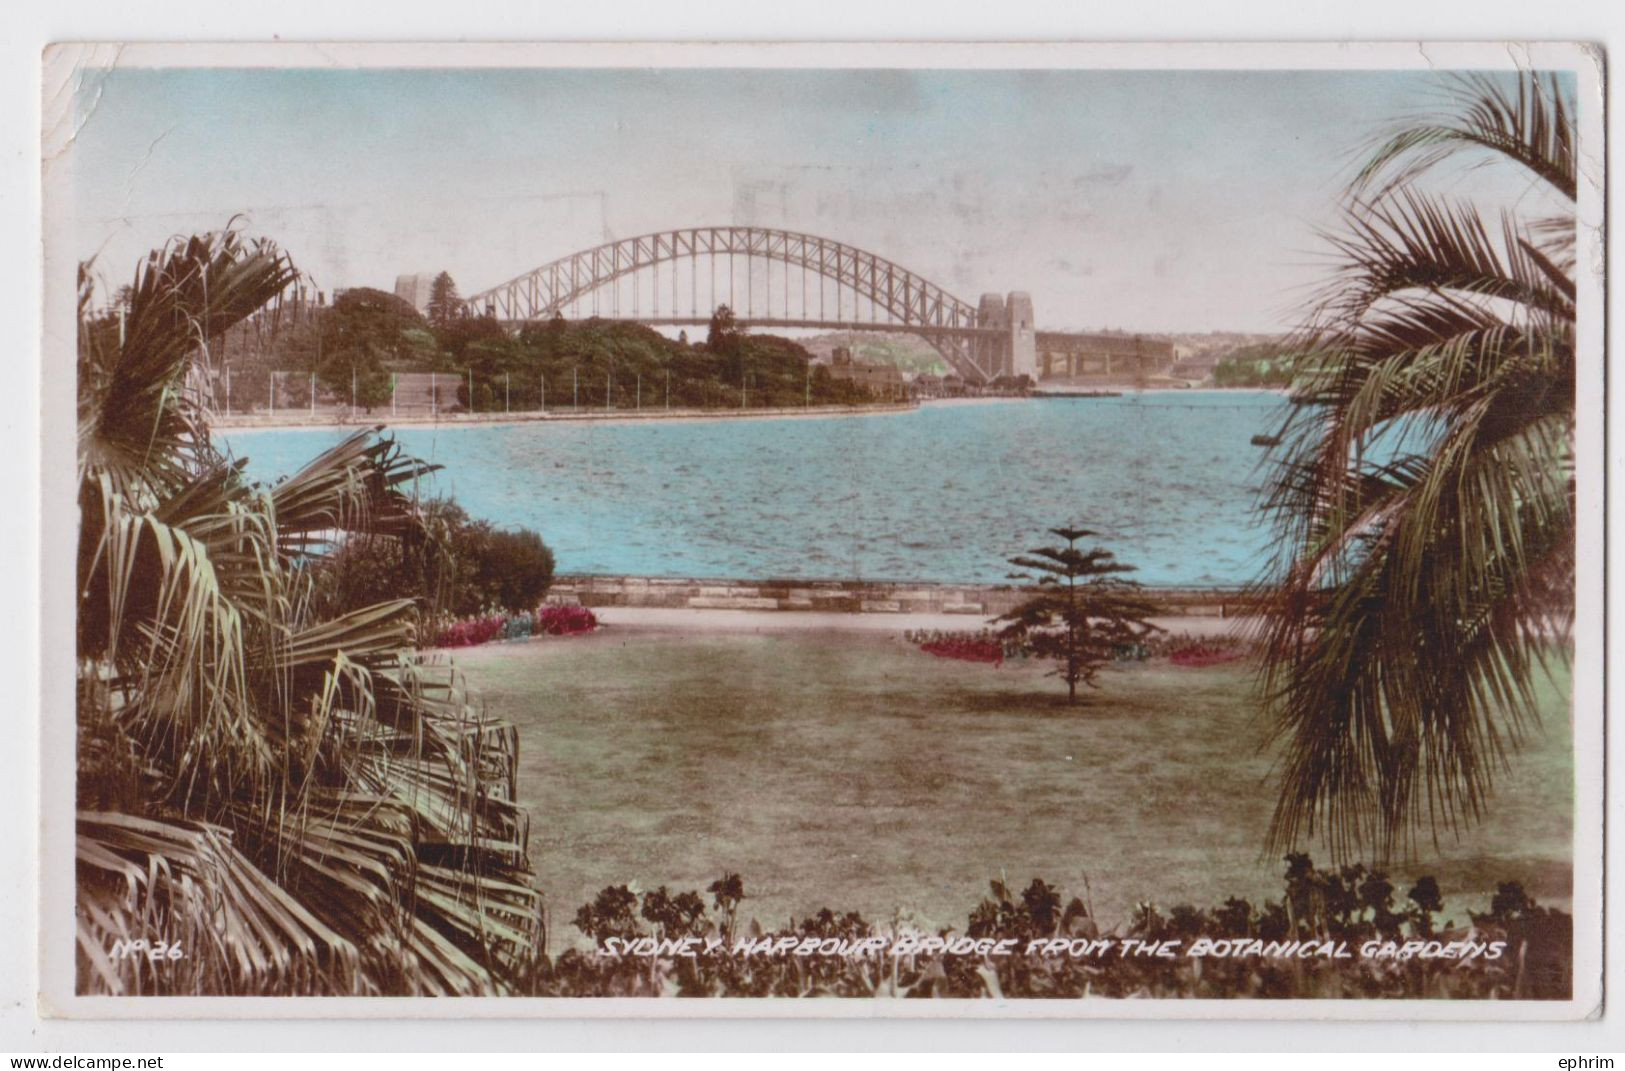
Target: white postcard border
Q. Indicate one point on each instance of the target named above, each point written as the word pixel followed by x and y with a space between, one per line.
pixel 64 64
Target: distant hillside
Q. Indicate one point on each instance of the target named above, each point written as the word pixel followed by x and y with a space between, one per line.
pixel 1258 365
pixel 1199 353
pixel 909 354
pixel 1201 356
pixel 1219 341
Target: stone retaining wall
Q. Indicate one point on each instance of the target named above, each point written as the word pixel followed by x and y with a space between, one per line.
pixel 843 596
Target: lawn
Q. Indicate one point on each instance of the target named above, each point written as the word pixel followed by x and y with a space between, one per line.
pixel 852 771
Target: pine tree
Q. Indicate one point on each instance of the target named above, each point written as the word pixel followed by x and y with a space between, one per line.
pixel 1079 611
pixel 723 335
pixel 444 304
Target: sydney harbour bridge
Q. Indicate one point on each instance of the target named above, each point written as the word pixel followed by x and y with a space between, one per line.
pixel 786 279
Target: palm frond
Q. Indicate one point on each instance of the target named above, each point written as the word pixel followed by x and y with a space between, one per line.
pixel 305 801
pixel 1423 494
pixel 1415 242
pixel 142 417
pixel 185 884
pixel 354 486
pixel 1530 123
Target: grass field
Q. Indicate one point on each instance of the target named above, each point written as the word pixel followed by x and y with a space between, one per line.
pixel 855 772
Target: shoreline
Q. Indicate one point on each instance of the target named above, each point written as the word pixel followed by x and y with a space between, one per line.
pixel 237 423
pixel 328 422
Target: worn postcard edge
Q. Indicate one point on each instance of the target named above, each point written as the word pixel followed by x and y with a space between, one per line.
pixel 65 65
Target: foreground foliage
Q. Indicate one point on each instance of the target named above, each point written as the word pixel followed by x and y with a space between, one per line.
pixel 295 799
pixel 1424 497
pixel 450 564
pixel 1352 906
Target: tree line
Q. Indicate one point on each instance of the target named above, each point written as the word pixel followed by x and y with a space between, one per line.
pixel 355 346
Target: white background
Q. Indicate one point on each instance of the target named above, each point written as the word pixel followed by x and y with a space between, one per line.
pixel 24 32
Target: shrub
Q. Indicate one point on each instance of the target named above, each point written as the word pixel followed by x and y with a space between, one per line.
pixel 470 632
pixel 566 620
pixel 456 567
pixel 513 569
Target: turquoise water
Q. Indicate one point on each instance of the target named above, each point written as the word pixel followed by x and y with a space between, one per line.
pixel 946 492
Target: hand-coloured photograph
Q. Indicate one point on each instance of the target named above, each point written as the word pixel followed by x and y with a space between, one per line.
pixel 992 530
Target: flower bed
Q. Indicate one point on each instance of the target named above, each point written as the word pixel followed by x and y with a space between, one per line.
pixel 967 650
pixel 549 621
pixel 1202 655
pixel 566 620
pixel 961 646
pixel 470 632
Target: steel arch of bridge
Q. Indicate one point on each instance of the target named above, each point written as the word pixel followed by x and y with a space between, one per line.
pixel 913 303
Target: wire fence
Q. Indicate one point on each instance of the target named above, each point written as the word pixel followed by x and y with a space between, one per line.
pixel 292 392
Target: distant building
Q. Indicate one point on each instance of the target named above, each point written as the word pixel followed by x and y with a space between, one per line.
pixel 1101 359
pixel 415 290
pixel 1195 366
pixel 881 378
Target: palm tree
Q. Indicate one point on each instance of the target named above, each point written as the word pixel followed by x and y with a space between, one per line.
pixel 1424 492
pixel 300 803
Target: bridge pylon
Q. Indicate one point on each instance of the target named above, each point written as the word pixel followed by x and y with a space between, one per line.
pixel 992 350
pixel 1023 335
pixel 1013 351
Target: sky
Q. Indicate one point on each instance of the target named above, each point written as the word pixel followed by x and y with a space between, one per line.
pixel 1153 201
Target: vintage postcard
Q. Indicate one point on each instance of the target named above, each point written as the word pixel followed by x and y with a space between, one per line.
pixel 995 530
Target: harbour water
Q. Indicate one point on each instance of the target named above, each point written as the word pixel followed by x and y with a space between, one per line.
pixel 1168 480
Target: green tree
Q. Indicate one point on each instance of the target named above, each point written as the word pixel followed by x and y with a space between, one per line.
pixel 1424 497
pixel 444 304
pixel 457 336
pixel 1257 365
pixel 1080 612
pixel 723 335
pixel 355 343
pixel 515 568
pixel 595 352
pixel 295 798
pixel 450 565
pixel 472 566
